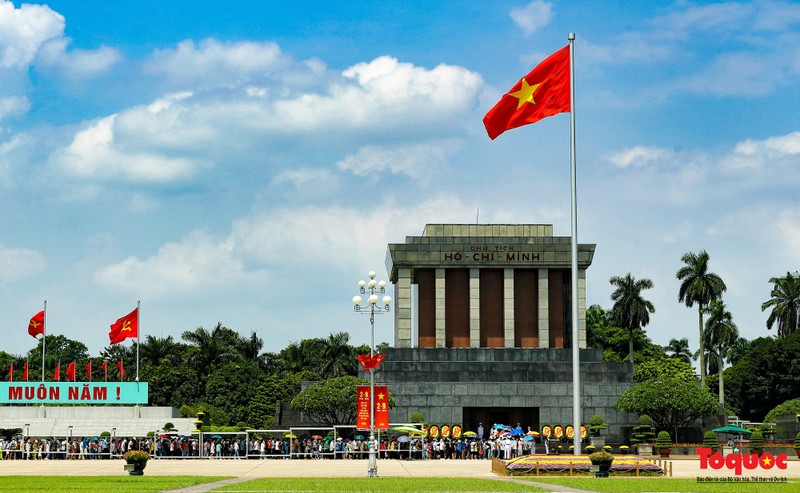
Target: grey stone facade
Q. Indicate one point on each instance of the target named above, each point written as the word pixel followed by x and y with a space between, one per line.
pixel 443 383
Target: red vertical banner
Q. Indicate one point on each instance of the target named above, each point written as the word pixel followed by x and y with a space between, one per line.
pixel 362 410
pixel 381 407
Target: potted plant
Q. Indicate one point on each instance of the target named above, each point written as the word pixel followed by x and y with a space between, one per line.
pixel 623 449
pixel 757 442
pixel 663 443
pixel 643 435
pixel 590 449
pixel 608 448
pixel 137 459
pixel 710 441
pixel 602 459
pixel 596 424
pixel 797 445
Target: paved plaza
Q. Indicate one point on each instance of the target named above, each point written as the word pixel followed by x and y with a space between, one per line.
pixel 251 469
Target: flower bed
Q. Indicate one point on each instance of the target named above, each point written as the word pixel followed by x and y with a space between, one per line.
pixel 559 465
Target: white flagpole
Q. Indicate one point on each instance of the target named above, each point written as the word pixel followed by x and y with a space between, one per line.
pixel 138 330
pixel 576 375
pixel 44 335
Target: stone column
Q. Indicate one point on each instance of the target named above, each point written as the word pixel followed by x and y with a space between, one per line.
pixel 544 308
pixel 402 309
pixel 474 308
pixel 441 338
pixel 508 307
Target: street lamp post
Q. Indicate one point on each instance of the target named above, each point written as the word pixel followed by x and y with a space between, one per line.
pixel 373 288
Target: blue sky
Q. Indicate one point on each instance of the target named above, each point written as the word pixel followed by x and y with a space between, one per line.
pixel 247 162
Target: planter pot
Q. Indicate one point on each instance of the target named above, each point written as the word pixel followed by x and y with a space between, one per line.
pixel 664 452
pixel 598 442
pixel 136 468
pixel 644 449
pixel 602 469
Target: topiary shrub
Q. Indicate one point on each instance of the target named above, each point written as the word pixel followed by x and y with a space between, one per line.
pixel 643 432
pixel 597 423
pixel 710 440
pixel 757 442
pixel 663 440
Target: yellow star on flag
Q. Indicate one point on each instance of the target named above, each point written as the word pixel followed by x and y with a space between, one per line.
pixel 381 396
pixel 766 461
pixel 525 94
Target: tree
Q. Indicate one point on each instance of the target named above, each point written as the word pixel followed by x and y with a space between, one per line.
pixel 785 304
pixel 630 310
pixel 663 368
pixel 155 350
pixel 330 402
pixel 211 349
pixel 721 333
pixel 338 357
pixel 766 376
pixel 700 286
pixel 679 349
pixel 671 402
pixel 231 387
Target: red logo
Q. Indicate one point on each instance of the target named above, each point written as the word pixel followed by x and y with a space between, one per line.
pixel 739 461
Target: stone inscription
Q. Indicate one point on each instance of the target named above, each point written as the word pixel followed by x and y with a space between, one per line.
pixel 491 253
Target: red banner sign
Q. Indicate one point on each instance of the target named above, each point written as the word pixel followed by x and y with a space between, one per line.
pixel 381 408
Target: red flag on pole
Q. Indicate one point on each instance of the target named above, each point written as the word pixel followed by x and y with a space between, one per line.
pixel 57 374
pixel 89 370
pixel 105 371
pixel 25 371
pixel 36 325
pixel 370 362
pixel 543 92
pixel 11 373
pixel 125 327
pixel 71 371
pixel 121 371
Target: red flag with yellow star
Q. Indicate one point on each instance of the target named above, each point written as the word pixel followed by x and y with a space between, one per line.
pixel 543 92
pixel 125 327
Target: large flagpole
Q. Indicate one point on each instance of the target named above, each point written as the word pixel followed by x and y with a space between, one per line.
pixel 138 331
pixel 576 369
pixel 44 335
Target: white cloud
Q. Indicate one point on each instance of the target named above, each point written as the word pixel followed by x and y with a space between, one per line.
pixel 24 30
pixel 93 153
pixel 20 263
pixel 640 156
pixel 197 263
pixel 13 106
pixel 213 62
pixel 415 160
pixel 788 226
pixel 53 54
pixel 532 17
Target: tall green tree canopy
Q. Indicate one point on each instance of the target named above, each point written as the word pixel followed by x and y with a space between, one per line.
pixel 672 403
pixel 630 309
pixel 679 349
pixel 330 402
pixel 699 286
pixel 785 304
pixel 721 334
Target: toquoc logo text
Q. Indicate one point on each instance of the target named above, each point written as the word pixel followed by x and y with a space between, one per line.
pixel 739 461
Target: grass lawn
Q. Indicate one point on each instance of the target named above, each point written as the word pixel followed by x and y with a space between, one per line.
pixel 105 484
pixel 379 485
pixel 636 485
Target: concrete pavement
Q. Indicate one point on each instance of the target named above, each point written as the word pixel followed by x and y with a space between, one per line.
pixel 250 469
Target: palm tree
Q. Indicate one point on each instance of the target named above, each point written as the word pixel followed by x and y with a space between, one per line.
pixel 211 348
pixel 785 304
pixel 338 358
pixel 721 334
pixel 679 349
pixel 630 310
pixel 157 349
pixel 700 286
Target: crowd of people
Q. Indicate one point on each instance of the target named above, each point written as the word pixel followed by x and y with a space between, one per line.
pixel 498 443
pixel 68 448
